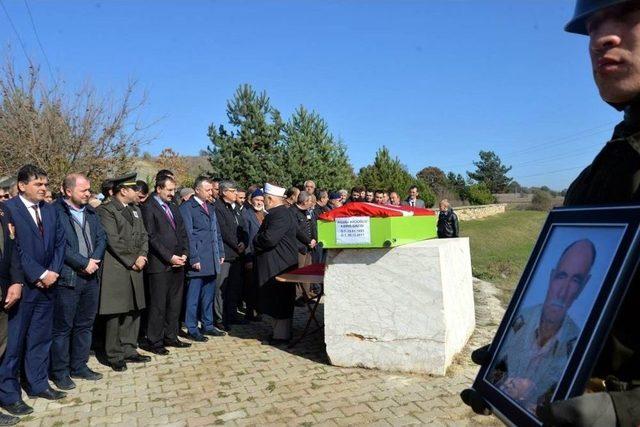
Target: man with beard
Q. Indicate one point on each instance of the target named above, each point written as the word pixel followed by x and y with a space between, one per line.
pixel 541 338
pixel 276 252
pixel 78 289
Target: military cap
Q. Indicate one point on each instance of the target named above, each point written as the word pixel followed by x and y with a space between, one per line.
pixel 126 180
pixel 585 9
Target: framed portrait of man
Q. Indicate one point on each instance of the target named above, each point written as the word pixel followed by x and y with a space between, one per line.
pixel 561 311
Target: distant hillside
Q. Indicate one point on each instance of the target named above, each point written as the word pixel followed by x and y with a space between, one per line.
pixel 147 166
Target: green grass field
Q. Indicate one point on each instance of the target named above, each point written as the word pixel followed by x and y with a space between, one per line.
pixel 501 245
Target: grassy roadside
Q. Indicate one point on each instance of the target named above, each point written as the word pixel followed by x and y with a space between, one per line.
pixel 501 245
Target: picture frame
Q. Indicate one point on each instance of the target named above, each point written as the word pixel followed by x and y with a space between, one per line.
pixel 561 311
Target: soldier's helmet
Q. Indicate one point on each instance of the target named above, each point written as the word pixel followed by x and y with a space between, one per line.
pixel 586 8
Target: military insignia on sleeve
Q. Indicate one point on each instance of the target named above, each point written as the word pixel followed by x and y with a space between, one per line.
pixel 570 345
pixel 518 323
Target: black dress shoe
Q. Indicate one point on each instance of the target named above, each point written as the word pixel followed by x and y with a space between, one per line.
pixel 197 338
pixel 177 344
pixel 139 358
pixel 8 420
pixel 64 383
pixel 50 394
pixel 160 351
pixel 215 332
pixel 119 366
pixel 18 408
pixel 87 374
pixel 221 326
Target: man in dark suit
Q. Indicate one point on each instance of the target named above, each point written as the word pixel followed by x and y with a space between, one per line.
pixel 234 237
pixel 168 251
pixel 206 255
pixel 253 216
pixel 40 241
pixel 11 282
pixel 122 287
pixel 413 200
pixel 78 290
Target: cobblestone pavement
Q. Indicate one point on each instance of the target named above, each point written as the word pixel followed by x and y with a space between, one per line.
pixel 237 380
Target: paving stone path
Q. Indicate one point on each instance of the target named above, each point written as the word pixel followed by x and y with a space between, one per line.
pixel 238 380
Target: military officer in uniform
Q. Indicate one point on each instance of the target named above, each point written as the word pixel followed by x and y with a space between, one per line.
pixel 276 252
pixel 122 292
pixel 541 338
pixel 613 28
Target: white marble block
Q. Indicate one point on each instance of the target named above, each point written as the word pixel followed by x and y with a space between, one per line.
pixel 408 308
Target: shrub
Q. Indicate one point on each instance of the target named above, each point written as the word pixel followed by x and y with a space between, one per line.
pixel 541 201
pixel 479 194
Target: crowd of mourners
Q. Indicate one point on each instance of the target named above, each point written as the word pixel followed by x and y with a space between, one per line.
pixel 131 268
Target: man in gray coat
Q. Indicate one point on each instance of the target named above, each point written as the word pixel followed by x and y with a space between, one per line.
pixel 122 292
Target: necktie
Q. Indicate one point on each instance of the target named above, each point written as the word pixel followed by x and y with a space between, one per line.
pixel 206 209
pixel 167 212
pixel 412 202
pixel 38 220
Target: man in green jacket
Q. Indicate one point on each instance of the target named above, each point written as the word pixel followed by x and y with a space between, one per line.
pixel 122 291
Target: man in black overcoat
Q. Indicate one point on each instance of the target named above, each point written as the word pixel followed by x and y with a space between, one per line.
pixel 276 251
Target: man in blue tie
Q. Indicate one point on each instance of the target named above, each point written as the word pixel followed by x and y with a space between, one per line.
pixel 40 241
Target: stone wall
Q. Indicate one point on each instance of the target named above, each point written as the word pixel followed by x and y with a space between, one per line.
pixel 466 213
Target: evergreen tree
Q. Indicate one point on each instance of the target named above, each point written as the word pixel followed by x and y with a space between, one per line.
pixel 491 172
pixel 313 153
pixel 458 185
pixel 387 173
pixel 252 151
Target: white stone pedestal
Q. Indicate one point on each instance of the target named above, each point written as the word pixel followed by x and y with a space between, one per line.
pixel 408 308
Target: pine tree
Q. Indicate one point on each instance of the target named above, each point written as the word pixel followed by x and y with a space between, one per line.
pixel 252 152
pixel 313 153
pixel 387 173
pixel 491 172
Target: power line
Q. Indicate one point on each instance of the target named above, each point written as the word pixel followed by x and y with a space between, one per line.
pixel 15 30
pixel 549 144
pixel 33 25
pixel 551 172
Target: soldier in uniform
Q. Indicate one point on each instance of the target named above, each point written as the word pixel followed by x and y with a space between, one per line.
pixel 613 28
pixel 122 292
pixel 541 338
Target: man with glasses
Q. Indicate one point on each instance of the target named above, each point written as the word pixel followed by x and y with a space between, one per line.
pixel 229 281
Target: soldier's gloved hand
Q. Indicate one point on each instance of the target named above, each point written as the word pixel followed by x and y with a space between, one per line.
pixel 479 356
pixel 593 409
pixel 472 399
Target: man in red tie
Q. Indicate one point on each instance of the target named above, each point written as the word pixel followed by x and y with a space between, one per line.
pixel 206 255
pixel 168 251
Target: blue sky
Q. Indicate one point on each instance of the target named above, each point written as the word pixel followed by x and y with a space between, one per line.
pixel 435 81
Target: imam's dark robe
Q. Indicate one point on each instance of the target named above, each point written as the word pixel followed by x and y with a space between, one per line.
pixel 276 249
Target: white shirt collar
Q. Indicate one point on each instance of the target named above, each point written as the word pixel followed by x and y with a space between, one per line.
pixel 197 199
pixel 27 203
